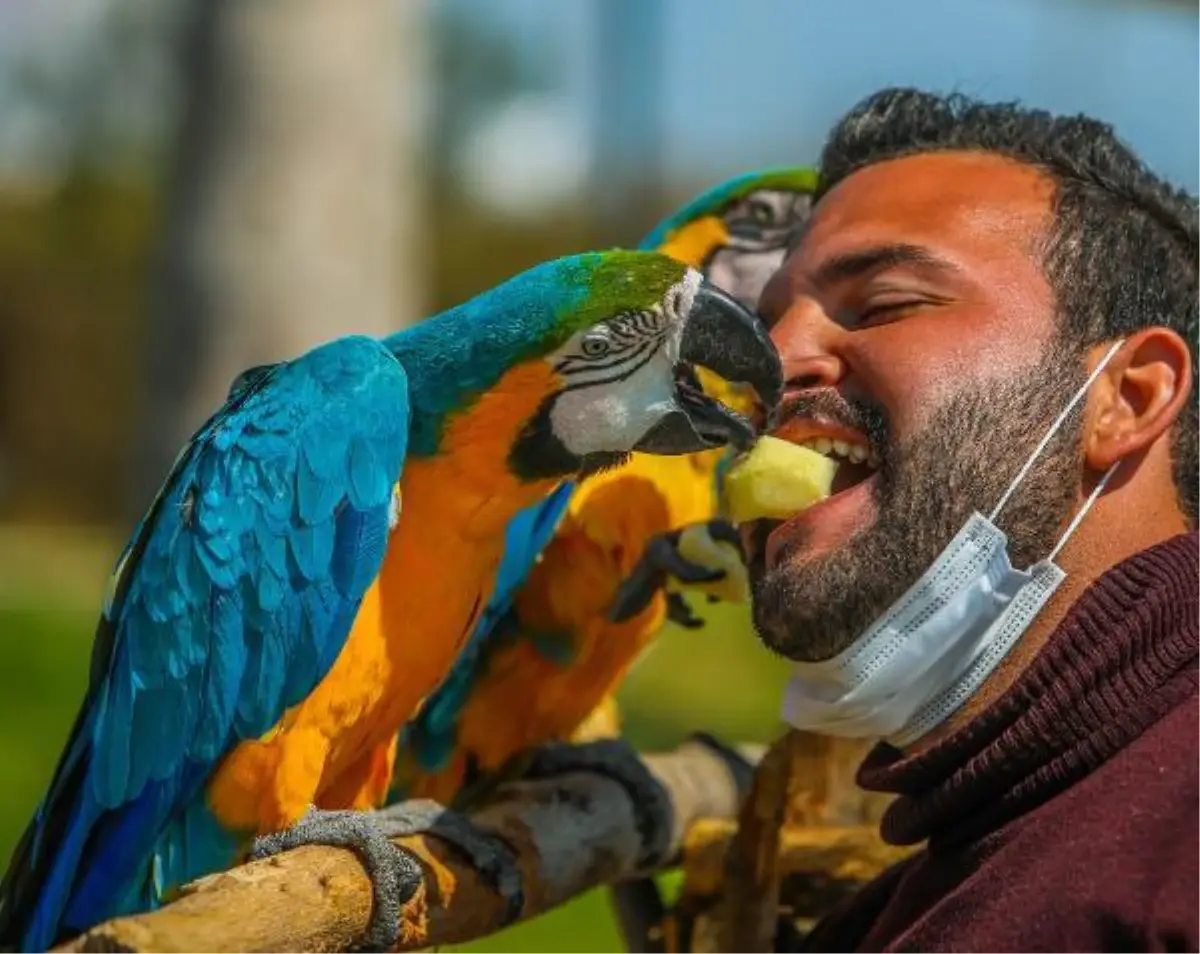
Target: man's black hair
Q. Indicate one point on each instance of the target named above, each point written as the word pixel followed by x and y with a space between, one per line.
pixel 1122 250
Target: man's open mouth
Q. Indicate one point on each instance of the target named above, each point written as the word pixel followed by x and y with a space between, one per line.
pixel 857 461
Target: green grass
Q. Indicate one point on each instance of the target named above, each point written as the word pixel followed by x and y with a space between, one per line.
pixel 719 679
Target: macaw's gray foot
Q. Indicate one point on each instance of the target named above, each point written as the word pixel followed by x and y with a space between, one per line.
pixel 395 873
pixel 488 855
pixel 618 760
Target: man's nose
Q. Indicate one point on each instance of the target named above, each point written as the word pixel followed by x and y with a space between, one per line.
pixel 807 343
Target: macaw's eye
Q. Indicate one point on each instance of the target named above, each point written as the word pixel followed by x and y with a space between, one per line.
pixel 762 212
pixel 752 217
pixel 594 346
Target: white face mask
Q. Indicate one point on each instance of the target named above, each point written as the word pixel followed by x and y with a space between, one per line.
pixel 934 647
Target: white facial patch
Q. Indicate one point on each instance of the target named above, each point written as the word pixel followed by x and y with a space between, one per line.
pixel 620 374
pixel 614 416
pixel 744 274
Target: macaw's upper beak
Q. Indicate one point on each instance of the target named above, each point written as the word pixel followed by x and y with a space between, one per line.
pixel 723 336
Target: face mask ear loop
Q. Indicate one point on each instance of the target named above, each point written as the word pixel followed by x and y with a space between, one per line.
pixel 1054 430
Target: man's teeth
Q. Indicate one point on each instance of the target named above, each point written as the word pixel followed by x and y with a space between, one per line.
pixel 855 453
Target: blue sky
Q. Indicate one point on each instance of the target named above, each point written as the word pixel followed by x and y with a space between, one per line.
pixel 756 82
pixel 751 82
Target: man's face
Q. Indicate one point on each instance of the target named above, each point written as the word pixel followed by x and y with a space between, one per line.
pixel 914 322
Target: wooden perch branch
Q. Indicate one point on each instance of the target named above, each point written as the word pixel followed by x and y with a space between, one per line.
pixel 805 837
pixel 569 833
pixel 751 863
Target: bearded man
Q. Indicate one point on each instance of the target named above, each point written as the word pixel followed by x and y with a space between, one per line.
pixel 1000 305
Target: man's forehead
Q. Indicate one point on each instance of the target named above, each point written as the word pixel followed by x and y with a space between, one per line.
pixel 962 204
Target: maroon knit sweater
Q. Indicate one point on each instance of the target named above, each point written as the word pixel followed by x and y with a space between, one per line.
pixel 1064 817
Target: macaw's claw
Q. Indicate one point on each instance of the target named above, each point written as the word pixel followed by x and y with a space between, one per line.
pixel 679 613
pixel 395 874
pixel 722 531
pixel 618 760
pixel 660 560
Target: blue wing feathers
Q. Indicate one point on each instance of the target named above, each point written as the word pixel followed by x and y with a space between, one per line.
pixel 316 496
pixel 234 598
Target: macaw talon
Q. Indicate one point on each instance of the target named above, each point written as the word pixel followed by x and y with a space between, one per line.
pixel 636 591
pixel 664 552
pixel 618 760
pixel 659 560
pixel 488 855
pixel 679 613
pixel 395 873
pixel 722 531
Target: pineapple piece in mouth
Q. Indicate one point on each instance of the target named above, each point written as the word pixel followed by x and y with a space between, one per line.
pixel 776 479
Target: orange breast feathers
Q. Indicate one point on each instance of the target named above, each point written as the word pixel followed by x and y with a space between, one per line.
pixel 532 693
pixel 335 749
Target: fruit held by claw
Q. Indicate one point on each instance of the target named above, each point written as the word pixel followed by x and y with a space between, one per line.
pixel 775 479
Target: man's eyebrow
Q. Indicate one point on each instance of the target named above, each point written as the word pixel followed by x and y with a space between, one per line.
pixel 861 262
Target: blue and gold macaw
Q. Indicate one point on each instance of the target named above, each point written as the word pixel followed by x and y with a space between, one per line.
pixel 591 573
pixel 319 553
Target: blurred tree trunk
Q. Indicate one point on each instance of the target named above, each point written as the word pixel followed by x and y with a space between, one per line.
pixel 292 203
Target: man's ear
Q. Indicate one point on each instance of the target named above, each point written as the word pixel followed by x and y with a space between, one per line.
pixel 1138 398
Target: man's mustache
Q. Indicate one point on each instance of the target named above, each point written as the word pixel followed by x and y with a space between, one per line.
pixel 830 407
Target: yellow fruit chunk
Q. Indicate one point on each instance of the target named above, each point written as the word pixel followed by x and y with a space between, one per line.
pixel 775 479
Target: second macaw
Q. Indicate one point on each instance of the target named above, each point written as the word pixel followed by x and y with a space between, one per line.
pixel 318 556
pixel 593 569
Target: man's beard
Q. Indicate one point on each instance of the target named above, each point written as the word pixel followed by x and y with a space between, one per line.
pixel 961 461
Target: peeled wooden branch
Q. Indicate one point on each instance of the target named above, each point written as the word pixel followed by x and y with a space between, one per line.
pixel 569 834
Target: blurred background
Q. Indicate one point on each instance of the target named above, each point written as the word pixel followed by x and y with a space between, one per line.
pixel 191 187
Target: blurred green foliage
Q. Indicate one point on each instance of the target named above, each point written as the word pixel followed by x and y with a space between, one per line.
pixel 718 678
pixel 73 269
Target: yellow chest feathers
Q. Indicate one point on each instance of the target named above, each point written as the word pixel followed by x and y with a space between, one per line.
pixel 645 496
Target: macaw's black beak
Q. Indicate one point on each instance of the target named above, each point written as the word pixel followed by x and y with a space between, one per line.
pixel 725 337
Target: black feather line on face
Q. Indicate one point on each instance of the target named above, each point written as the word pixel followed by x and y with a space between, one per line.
pixel 539 454
pixel 626 371
pixel 577 364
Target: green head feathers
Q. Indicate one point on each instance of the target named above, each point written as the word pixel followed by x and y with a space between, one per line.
pixel 715 200
pixel 455 356
pixel 604 284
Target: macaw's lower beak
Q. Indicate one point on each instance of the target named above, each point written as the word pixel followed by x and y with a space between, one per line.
pixel 725 337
